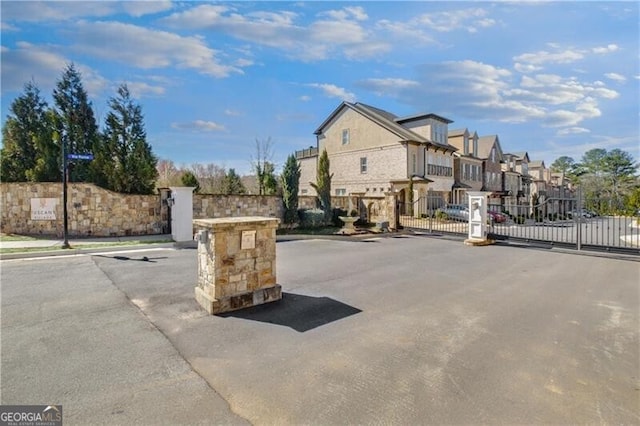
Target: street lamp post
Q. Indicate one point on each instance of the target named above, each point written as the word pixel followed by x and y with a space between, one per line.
pixel 65 220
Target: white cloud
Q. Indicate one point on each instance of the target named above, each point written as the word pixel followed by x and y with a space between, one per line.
pixel 44 65
pixel 543 57
pixel 527 61
pixel 334 32
pixel 605 49
pixel 572 131
pixel 387 86
pixel 141 89
pixel 476 90
pixel 447 21
pixel 305 98
pixel 233 113
pixel 616 77
pixel 48 11
pixel 199 126
pixel 146 7
pixel 152 49
pixel 333 91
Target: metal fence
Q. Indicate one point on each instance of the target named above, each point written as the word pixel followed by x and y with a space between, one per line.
pixel 555 221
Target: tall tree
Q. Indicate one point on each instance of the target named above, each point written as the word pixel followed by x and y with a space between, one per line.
pixel 233 184
pixel 593 162
pixel 269 183
pixel 563 164
pixel 78 128
pixel 189 179
pixel 125 162
pixel 263 167
pixel 29 152
pixel 290 181
pixel 619 169
pixel 323 184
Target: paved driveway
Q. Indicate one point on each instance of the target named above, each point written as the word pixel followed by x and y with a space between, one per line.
pixel 411 330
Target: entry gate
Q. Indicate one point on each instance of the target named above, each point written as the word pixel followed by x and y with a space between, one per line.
pixel 556 221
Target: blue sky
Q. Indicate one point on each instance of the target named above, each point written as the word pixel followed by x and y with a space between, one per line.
pixel 549 78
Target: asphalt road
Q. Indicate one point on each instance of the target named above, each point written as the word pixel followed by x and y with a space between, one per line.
pixel 410 330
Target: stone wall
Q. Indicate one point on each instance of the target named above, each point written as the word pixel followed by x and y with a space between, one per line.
pixel 217 206
pixel 93 211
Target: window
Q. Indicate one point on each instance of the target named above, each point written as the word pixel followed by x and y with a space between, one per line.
pixel 493 155
pixel 341 191
pixel 363 164
pixel 345 136
pixel 466 146
pixel 304 191
pixel 414 163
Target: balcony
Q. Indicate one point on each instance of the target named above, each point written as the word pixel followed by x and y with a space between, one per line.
pixel 433 170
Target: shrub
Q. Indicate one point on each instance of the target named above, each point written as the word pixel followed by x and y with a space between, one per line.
pixel 440 215
pixel 519 219
pixel 311 218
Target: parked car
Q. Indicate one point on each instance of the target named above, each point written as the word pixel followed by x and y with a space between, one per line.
pixel 496 217
pixel 455 211
pixel 581 213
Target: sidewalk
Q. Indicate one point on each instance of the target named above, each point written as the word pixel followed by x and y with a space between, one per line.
pixel 53 245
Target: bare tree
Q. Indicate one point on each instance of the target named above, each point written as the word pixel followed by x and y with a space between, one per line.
pixel 211 177
pixel 168 174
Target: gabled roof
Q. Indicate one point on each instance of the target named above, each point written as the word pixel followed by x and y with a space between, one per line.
pixel 521 156
pixel 536 163
pixel 457 132
pixel 422 116
pixel 384 119
pixel 485 143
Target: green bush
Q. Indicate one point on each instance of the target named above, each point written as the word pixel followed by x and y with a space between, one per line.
pixel 440 215
pixel 519 219
pixel 311 218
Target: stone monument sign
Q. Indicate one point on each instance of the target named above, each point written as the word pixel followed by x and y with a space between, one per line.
pixel 236 263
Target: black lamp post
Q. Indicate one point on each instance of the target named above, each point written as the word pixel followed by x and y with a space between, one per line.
pixel 65 221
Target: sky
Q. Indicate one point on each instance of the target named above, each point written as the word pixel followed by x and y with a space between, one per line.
pixel 549 78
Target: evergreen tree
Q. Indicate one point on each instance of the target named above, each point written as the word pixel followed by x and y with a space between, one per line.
pixel 189 179
pixel 233 183
pixel 78 128
pixel 29 152
pixel 269 182
pixel 124 161
pixel 323 184
pixel 290 181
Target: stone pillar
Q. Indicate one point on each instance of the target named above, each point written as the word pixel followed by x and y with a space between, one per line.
pixel 236 263
pixel 391 210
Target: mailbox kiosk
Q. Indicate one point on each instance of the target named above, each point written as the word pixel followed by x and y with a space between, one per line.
pixel 478 219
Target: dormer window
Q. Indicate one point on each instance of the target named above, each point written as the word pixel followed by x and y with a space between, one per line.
pixel 345 136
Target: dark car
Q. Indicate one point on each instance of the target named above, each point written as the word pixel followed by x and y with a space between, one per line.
pixel 496 217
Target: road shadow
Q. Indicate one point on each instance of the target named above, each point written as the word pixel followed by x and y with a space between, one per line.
pixel 299 312
pixel 127 258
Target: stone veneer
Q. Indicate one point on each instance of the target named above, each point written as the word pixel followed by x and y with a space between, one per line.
pixel 236 263
pixel 93 211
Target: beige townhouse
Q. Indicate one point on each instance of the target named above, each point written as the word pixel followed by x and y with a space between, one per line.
pixel 490 152
pixel 467 167
pixel 372 151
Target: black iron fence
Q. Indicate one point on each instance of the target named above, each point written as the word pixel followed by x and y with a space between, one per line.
pixel 559 220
